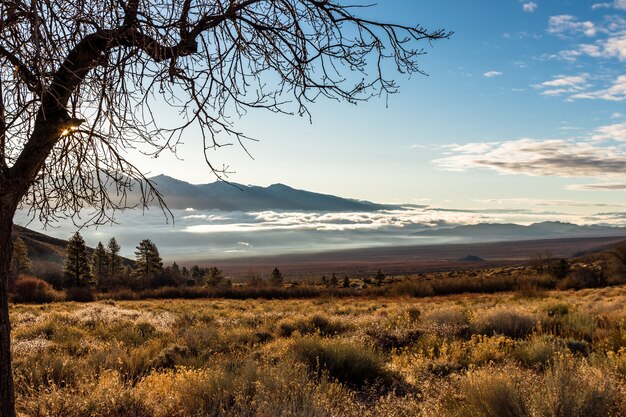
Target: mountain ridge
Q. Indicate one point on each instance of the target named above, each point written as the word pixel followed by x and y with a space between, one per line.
pixel 512 231
pixel 220 195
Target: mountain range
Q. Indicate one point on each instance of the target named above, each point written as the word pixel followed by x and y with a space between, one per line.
pixel 224 196
pixel 510 231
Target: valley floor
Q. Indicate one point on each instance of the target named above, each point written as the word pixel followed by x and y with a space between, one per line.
pixel 563 354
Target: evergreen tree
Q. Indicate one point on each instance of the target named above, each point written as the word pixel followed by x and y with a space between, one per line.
pixel 324 281
pixel 380 277
pixel 147 258
pixel 197 272
pixel 346 282
pixel 115 262
pixel 213 277
pixel 334 281
pixel 176 270
pixel 76 268
pixel 276 279
pixel 100 264
pixel 20 263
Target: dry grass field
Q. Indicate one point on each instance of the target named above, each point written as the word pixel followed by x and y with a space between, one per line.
pixel 559 353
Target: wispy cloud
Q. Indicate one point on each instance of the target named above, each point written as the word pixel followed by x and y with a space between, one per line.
pixel 615 92
pixel 529 7
pixel 617 4
pixel 555 157
pixel 565 24
pixel 563 84
pixel 615 132
pixel 599 187
pixel 491 74
pixel 613 46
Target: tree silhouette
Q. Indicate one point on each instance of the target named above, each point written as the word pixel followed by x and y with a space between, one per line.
pixel 79 81
pixel 100 264
pixel 76 268
pixel 113 250
pixel 20 262
pixel 276 279
pixel 147 258
pixel 213 277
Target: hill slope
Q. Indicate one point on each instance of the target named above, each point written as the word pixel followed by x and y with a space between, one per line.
pixel 237 197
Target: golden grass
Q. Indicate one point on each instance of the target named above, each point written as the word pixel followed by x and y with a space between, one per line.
pixel 478 355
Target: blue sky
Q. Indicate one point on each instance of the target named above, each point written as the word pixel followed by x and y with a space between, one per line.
pixel 523 107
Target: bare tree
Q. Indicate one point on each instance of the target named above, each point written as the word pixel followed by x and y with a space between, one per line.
pixel 79 80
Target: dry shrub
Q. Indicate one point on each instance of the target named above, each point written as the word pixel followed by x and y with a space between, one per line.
pixel 505 322
pixel 314 324
pixel 80 294
pixel 355 366
pixel 250 389
pixel 490 392
pixel 446 322
pixel 538 351
pixel 572 388
pixel 107 396
pixel 387 339
pixel 28 289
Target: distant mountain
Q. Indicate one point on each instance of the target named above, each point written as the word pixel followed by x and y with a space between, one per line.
pixel 471 258
pixel 507 231
pixel 237 197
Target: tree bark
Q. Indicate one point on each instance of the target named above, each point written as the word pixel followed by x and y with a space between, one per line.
pixel 7 393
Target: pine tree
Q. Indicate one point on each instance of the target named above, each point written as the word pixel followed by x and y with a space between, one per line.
pixel 276 279
pixel 214 277
pixel 115 262
pixel 346 282
pixel 76 269
pixel 380 278
pixel 176 270
pixel 100 264
pixel 147 258
pixel 334 281
pixel 20 263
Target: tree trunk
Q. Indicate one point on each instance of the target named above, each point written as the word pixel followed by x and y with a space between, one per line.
pixel 7 393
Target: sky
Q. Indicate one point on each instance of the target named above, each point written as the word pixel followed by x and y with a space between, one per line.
pixel 523 106
pixel 521 119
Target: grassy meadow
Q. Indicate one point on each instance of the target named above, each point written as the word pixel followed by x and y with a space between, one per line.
pixel 555 353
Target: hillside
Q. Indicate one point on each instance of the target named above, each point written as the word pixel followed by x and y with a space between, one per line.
pixel 223 196
pixel 47 252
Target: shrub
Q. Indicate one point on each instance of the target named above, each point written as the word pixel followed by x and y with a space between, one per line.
pixel 28 289
pixel 536 352
pixel 447 321
pixel 557 309
pixel 588 277
pixel 315 324
pixel 355 366
pixel 80 294
pixel 572 388
pixel 505 322
pixel 490 393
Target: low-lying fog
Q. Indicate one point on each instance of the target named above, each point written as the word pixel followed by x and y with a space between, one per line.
pixel 205 235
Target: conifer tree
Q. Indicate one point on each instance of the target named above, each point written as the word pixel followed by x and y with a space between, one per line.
pixel 214 277
pixel 115 262
pixel 346 282
pixel 147 258
pixel 276 279
pixel 76 269
pixel 100 264
pixel 380 277
pixel 334 281
pixel 20 263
